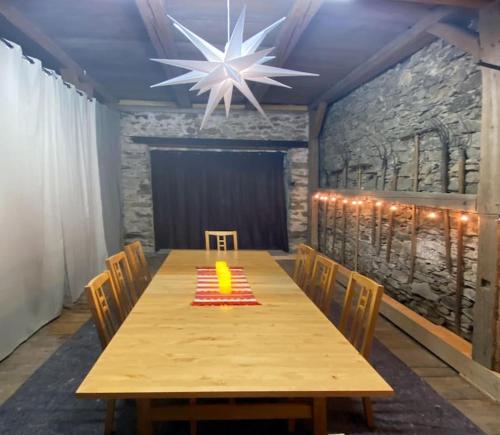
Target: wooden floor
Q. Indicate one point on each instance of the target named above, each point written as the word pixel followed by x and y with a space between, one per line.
pixel 483 411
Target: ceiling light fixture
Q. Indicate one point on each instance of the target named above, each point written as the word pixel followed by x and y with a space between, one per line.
pixel 224 70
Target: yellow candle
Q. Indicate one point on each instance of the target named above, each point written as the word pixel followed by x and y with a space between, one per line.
pixel 221 266
pixel 225 282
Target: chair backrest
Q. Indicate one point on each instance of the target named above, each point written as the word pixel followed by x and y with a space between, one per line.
pixel 320 288
pixel 304 260
pixel 360 311
pixel 138 265
pixel 221 239
pixel 122 279
pixel 100 291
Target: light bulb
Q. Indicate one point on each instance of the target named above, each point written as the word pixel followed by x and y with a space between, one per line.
pixel 393 208
pixel 464 218
pixel 378 204
pixel 432 215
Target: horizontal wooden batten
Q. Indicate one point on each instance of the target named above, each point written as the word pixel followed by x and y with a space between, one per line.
pixel 140 105
pixel 256 411
pixel 443 343
pixel 181 143
pixel 472 4
pixel 456 201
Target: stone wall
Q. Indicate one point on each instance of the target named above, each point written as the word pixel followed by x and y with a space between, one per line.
pixel 296 173
pixel 436 92
pixel 439 83
pixel 242 124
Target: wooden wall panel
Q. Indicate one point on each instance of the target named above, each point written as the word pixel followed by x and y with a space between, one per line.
pixel 486 339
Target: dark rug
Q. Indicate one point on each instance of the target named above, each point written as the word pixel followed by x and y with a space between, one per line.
pixel 46 403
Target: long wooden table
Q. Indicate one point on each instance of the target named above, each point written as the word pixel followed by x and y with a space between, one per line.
pixel 284 348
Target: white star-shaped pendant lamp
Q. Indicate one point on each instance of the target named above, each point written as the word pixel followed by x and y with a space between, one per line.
pixel 222 71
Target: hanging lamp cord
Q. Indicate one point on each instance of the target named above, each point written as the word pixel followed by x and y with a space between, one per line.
pixel 228 21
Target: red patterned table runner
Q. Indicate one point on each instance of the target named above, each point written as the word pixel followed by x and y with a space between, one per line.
pixel 207 288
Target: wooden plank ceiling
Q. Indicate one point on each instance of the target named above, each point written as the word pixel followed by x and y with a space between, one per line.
pixel 112 39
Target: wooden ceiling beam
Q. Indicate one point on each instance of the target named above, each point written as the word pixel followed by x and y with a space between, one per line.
pixel 78 77
pixel 200 143
pixel 470 4
pixel 160 31
pixel 318 119
pixel 300 15
pixel 415 38
pixel 463 39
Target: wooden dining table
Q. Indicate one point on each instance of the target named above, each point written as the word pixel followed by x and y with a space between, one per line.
pixel 284 353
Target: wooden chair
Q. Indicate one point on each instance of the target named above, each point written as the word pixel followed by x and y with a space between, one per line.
pixel 357 322
pixel 304 260
pixel 122 279
pixel 321 282
pixel 138 265
pixel 100 291
pixel 221 239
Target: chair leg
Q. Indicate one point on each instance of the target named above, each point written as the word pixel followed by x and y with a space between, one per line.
pixel 368 408
pixel 193 425
pixel 110 417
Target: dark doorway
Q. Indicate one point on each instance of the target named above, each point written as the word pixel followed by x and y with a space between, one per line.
pixel 194 191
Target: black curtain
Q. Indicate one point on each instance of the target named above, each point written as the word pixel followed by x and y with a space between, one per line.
pixel 194 191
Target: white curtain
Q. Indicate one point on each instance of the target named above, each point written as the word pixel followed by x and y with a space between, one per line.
pixel 51 226
pixel 110 169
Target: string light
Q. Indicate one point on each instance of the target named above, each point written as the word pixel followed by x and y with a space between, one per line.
pixel 432 215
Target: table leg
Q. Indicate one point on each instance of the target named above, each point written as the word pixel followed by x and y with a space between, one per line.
pixel 110 416
pixel 291 421
pixel 367 406
pixel 144 422
pixel 319 416
pixel 193 425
